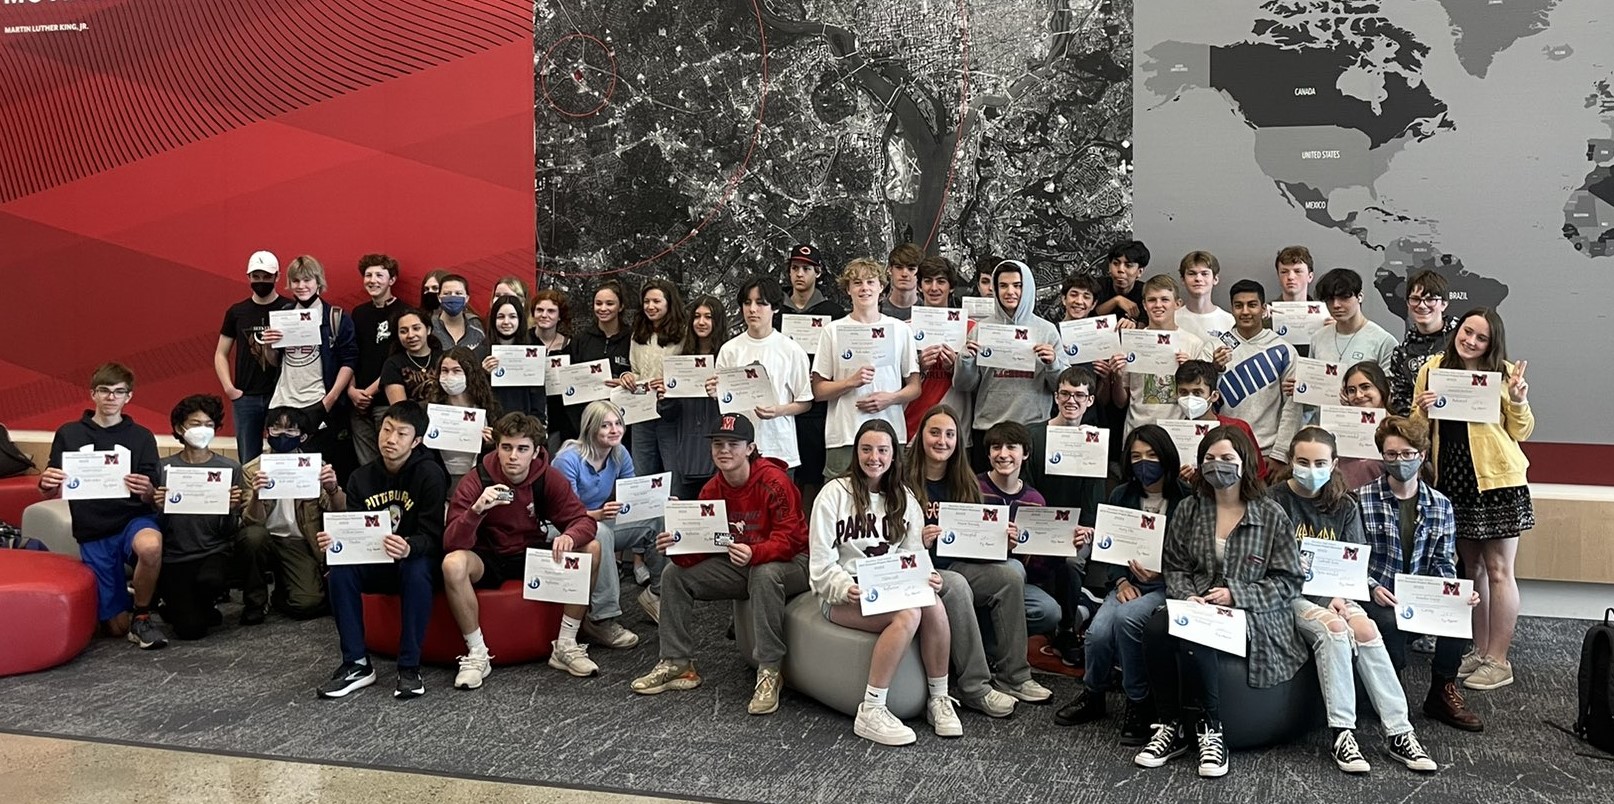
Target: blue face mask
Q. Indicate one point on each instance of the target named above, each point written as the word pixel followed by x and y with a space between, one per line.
pixel 453 305
pixel 1312 478
pixel 1148 472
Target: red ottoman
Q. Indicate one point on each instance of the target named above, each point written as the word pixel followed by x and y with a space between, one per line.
pixel 49 610
pixel 516 630
pixel 17 493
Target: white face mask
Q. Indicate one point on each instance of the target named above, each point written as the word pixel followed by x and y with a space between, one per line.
pixel 1193 406
pixel 453 383
pixel 199 437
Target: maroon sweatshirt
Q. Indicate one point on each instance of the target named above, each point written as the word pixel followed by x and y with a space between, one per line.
pixel 544 496
pixel 765 514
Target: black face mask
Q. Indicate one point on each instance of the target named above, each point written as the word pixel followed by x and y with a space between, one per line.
pixel 263 290
pixel 428 302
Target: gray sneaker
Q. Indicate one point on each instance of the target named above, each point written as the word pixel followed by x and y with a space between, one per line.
pixel 146 634
pixel 608 634
pixel 992 703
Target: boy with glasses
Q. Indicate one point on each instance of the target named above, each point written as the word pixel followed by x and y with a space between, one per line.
pixel 1427 331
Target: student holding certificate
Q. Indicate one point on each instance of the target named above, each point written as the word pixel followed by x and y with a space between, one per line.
pixel 289 527
pixel 1149 397
pixel 803 272
pixel 1481 468
pixel 603 336
pixel 788 366
pixel 552 327
pixel 510 329
pixel 870 512
pixel 463 383
pixel 937 278
pixel 1365 386
pixel 1230 546
pixel 1428 328
pixel 688 419
pixel 315 377
pixel 1009 395
pixel 658 333
pixel 1318 502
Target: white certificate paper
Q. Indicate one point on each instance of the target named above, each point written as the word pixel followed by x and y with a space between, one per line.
pixel 685 375
pixel 565 581
pixel 1334 569
pixel 805 330
pixel 292 476
pixel 743 389
pixel 978 308
pixel 1046 531
pixel 866 345
pixel 454 428
pixel 96 474
pixel 1005 346
pixel 198 489
pixel 1080 451
pixel 973 531
pixel 634 408
pixel 1353 429
pixel 520 366
pixel 1150 351
pixel 1466 396
pixel 1087 339
pixel 1186 435
pixel 552 385
pixel 1297 321
pixel 1317 382
pixel 1219 627
pixel 643 498
pixel 298 327
pixel 584 382
pixel 698 526
pixel 357 537
pixel 1127 534
pixel 894 581
pixel 939 325
pixel 1437 606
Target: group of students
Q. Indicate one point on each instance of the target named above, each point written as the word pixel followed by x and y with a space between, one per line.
pixel 872 451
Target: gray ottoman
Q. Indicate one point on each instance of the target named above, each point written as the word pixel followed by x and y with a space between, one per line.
pixel 830 664
pixel 49 522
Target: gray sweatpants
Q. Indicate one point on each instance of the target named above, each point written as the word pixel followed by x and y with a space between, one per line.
pixel 1000 588
pixel 768 586
pixel 969 655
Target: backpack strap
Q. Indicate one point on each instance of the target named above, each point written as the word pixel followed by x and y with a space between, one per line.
pixel 484 475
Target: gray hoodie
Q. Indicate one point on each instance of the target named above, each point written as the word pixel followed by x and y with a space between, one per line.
pixel 1003 395
pixel 1252 389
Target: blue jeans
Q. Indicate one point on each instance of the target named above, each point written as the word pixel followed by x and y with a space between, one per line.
pixel 1117 629
pixel 249 412
pixel 1042 611
pixel 605 599
pixel 644 445
pixel 410 579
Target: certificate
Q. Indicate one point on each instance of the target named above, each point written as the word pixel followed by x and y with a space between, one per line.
pixel 634 407
pixel 1005 346
pixel 1087 339
pixel 584 382
pixel 1219 627
pixel 455 428
pixel 565 581
pixel 698 526
pixel 1297 321
pixel 520 366
pixel 805 330
pixel 1437 606
pixel 685 375
pixel 96 474
pixel 298 327
pixel 934 325
pixel 1127 534
pixel 973 531
pixel 1317 382
pixel 642 498
pixel 979 308
pixel 895 581
pixel 1466 396
pixel 863 345
pixel 743 389
pixel 1334 569
pixel 1150 351
pixel 1353 428
pixel 357 537
pixel 198 489
pixel 292 476
pixel 1080 451
pixel 552 374
pixel 1046 531
pixel 1186 435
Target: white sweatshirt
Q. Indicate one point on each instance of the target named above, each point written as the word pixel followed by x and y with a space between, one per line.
pixel 837 538
pixel 1252 390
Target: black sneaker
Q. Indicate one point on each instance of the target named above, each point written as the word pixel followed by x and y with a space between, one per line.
pixel 146 634
pixel 1408 751
pixel 350 677
pixel 1348 755
pixel 1068 644
pixel 1212 751
pixel 410 684
pixel 1135 726
pixel 252 615
pixel 1086 708
pixel 1169 742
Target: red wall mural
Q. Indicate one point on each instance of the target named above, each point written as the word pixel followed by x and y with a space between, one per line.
pixel 150 146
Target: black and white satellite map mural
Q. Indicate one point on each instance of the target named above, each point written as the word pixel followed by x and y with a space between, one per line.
pixel 700 139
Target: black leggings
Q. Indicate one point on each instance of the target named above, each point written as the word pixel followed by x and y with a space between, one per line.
pixel 1184 678
pixel 190 591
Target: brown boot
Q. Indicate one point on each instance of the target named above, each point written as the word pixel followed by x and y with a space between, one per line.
pixel 1445 704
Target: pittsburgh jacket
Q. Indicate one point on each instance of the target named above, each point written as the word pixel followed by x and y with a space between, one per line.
pixel 414 499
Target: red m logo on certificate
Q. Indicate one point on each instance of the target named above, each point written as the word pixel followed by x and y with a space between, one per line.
pixel 817 322
pixel 1092 438
pixel 571 563
pixel 470 416
pixel 596 369
pixel 1146 521
pixel 532 353
pixel 111 460
pixel 655 482
pixel 877 332
pixel 215 477
pixel 1102 323
pixel 302 462
pixel 708 510
pixel 372 521
pixel 952 315
pixel 1369 417
pixel 1331 369
pixel 305 316
pixel 1061 516
pixel 700 362
pixel 989 515
pixel 908 562
pixel 1479 380
pixel 1022 334
pixel 1162 340
pixel 750 374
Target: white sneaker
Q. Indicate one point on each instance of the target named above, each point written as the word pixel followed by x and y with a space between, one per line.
pixel 992 703
pixel 1029 691
pixel 941 714
pixel 608 634
pixel 651 603
pixel 573 658
pixel 641 574
pixel 474 667
pixel 877 724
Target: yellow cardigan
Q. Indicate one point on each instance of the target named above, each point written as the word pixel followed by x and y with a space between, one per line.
pixel 1498 461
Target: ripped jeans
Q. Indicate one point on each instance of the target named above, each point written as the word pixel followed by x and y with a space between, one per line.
pixel 1334 639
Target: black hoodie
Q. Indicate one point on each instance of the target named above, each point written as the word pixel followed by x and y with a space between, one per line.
pixel 98 519
pixel 416 498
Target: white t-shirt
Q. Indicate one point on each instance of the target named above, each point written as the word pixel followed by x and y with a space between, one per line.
pixel 786 363
pixel 844 418
pixel 1153 397
pixel 302 374
pixel 1208 326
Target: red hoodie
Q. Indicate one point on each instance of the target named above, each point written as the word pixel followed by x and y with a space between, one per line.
pixel 510 529
pixel 765 513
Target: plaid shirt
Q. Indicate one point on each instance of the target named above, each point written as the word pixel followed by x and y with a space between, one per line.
pixel 1433 541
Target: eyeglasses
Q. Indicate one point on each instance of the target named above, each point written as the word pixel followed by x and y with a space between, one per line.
pixel 1070 396
pixel 1423 301
pixel 111 393
pixel 1405 455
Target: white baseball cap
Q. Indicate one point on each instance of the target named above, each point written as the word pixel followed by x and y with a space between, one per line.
pixel 263 261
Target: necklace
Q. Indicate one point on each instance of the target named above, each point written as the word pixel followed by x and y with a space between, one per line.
pixel 1348 341
pixel 420 366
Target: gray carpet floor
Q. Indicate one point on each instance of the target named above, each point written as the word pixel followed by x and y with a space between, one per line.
pixel 251 691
